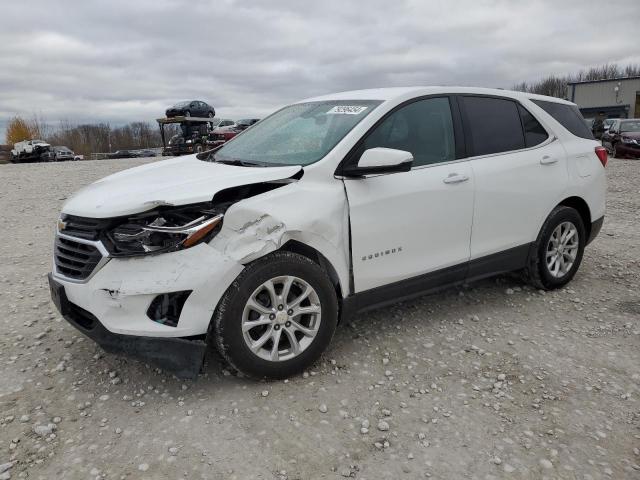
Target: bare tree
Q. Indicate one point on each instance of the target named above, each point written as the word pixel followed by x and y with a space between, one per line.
pixel 101 137
pixel 556 86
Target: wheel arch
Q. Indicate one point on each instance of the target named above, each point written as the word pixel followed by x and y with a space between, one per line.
pixel 316 256
pixel 582 207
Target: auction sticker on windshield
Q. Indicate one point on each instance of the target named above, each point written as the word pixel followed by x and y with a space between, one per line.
pixel 347 109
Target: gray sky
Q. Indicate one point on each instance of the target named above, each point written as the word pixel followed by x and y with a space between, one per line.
pixel 121 61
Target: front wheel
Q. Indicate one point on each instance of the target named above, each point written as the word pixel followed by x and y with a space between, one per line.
pixel 277 317
pixel 557 253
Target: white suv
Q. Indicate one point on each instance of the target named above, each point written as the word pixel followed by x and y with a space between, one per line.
pixel 329 206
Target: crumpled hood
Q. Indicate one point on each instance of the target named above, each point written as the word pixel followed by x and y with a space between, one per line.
pixel 178 181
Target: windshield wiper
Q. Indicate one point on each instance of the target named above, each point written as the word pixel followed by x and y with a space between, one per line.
pixel 237 161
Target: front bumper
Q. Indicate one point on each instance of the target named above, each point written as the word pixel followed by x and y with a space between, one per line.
pixel 181 356
pixel 118 294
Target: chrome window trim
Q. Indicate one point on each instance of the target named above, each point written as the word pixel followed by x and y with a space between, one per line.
pixel 548 141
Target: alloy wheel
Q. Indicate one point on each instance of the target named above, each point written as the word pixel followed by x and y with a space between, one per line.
pixel 281 318
pixel 562 249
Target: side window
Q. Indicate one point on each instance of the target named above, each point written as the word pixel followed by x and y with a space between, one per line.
pixel 568 116
pixel 494 124
pixel 534 133
pixel 424 128
pixel 614 128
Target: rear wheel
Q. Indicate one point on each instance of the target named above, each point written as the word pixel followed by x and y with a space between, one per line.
pixel 187 113
pixel 614 151
pixel 557 253
pixel 277 317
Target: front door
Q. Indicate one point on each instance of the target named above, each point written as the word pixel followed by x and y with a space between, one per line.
pixel 404 225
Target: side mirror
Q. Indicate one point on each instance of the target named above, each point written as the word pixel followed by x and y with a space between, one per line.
pixel 380 160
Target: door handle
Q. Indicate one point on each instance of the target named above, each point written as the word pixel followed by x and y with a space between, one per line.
pixel 547 160
pixel 455 178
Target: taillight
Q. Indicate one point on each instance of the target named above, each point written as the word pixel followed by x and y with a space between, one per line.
pixel 601 152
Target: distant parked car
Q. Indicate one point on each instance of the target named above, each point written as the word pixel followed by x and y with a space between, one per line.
pixel 225 122
pixel 246 123
pixel 58 154
pixel 220 135
pixel 191 108
pixel 623 138
pixel 29 150
pixel 146 153
pixel 122 154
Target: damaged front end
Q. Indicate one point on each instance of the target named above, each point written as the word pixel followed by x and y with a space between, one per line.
pixel 153 280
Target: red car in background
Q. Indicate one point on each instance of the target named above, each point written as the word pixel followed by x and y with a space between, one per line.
pixel 623 138
pixel 219 135
pixel 223 134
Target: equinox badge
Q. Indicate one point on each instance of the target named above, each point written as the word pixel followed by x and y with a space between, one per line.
pixel 383 253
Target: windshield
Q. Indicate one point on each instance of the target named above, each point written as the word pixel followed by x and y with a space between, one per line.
pixel 630 126
pixel 299 134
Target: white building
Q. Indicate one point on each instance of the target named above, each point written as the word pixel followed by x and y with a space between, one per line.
pixel 617 98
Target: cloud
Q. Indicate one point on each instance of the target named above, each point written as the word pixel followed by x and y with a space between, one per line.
pixel 122 61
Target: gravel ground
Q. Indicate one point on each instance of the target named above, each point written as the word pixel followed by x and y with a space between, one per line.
pixel 493 380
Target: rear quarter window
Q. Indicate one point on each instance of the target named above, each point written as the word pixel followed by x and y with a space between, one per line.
pixel 534 133
pixel 568 116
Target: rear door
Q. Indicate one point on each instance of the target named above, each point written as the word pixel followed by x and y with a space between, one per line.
pixel 520 173
pixel 404 225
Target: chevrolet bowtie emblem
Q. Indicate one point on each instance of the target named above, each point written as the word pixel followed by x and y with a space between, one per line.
pixel 61 225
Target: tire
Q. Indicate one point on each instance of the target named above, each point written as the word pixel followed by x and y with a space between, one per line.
pixel 210 115
pixel 539 272
pixel 614 151
pixel 187 113
pixel 198 148
pixel 231 314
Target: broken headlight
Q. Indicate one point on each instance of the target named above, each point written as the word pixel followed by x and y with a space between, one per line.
pixel 164 231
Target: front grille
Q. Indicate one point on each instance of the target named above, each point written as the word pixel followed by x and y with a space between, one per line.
pixel 80 227
pixel 74 259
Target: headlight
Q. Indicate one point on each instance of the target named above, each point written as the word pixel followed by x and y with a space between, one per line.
pixel 189 141
pixel 164 231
